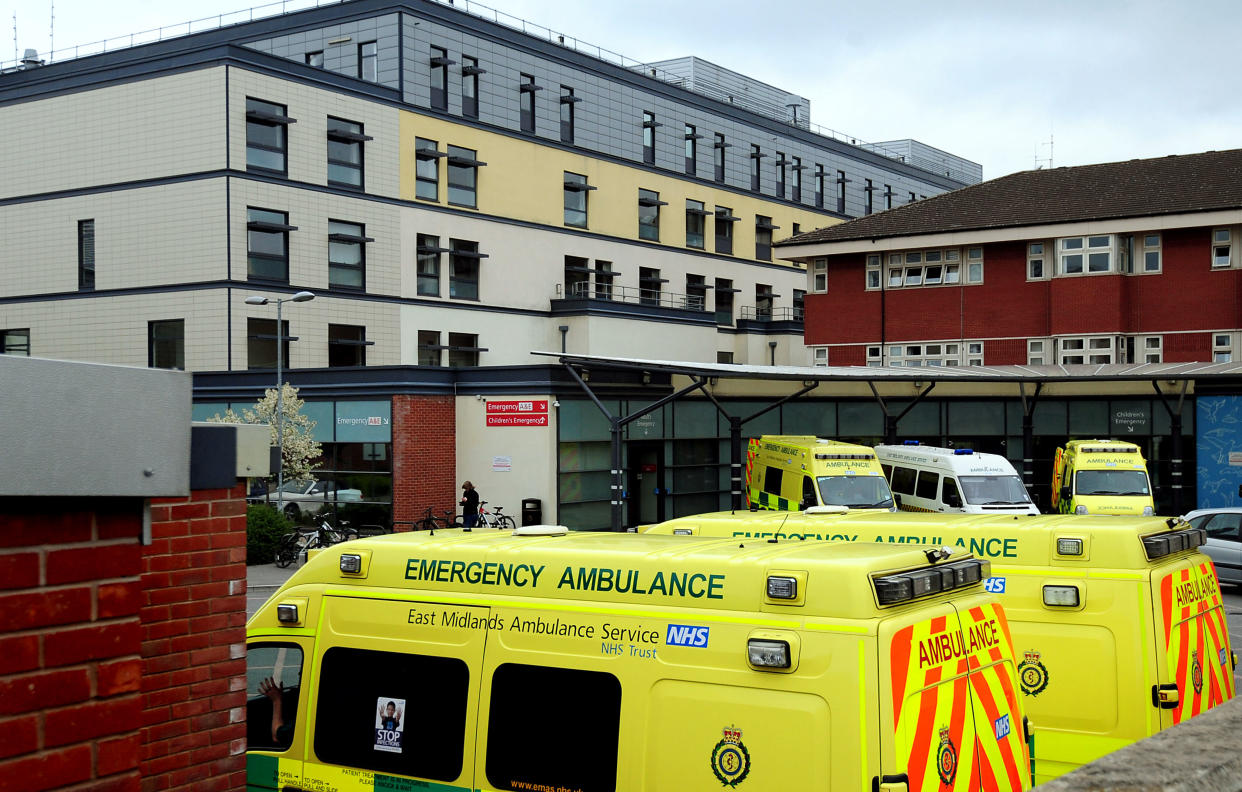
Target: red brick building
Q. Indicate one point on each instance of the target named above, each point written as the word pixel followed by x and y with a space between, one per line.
pixel 1126 262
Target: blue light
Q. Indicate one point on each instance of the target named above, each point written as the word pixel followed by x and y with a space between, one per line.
pixel 911 442
pixel 961 451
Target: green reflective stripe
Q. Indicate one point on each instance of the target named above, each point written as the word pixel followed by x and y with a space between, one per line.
pixel 261 770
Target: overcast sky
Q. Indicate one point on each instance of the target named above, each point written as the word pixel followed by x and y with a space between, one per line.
pixel 1105 80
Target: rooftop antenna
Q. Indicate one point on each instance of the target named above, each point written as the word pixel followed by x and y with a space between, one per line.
pixel 15 55
pixel 51 31
pixel 1039 161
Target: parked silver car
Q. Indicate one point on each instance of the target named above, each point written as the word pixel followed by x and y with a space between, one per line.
pixel 1224 543
pixel 308 495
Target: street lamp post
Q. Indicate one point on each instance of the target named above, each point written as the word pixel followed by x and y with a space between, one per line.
pixel 302 296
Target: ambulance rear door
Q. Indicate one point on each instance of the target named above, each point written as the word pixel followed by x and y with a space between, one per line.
pixel 1193 655
pixel 950 697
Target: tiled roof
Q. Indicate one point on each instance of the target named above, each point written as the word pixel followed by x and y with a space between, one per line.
pixel 1136 188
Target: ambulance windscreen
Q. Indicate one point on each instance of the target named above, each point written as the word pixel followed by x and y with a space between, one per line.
pixel 994 490
pixel 1111 482
pixel 856 492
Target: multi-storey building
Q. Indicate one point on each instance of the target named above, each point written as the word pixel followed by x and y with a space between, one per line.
pixel 456 193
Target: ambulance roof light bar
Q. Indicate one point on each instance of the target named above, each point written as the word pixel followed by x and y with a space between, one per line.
pixel 905 586
pixel 1161 545
pixel 845 456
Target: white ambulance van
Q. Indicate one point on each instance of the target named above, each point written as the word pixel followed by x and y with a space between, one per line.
pixel 929 479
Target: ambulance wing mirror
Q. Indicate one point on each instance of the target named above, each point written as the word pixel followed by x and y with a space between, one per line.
pixel 804 504
pixel 952 500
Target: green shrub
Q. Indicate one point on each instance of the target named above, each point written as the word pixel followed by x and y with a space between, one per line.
pixel 264 527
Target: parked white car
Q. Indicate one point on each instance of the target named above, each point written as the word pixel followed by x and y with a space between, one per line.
pixel 1224 540
pixel 309 495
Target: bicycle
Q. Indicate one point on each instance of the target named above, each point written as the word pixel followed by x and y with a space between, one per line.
pixel 501 522
pixel 296 542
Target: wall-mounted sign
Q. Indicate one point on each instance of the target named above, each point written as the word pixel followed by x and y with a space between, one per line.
pixel 502 464
pixel 533 412
pixel 517 420
pixel 1235 458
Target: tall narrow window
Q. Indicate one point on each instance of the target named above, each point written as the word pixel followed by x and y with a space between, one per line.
pixel 724 292
pixel 795 180
pixel 888 196
pixel 267 142
pixel 526 107
pixel 692 150
pixel 764 300
pixel 1035 261
pixel 1222 248
pixel 463 349
pixel 763 237
pixel 166 344
pixel 695 223
pixel 86 255
pixel 430 350
pixel 781 163
pixel 649 128
pixel 696 292
pixel 15 342
pixel 347 256
pixel 429 255
pixel 720 146
pixel 868 197
pixel 1151 253
pixel 345 141
pixel 347 345
pixel 912 199
pixel 819 186
pixel 724 229
pixel 368 61
pixel 261 340
pixel 568 100
pixel 755 156
pixel 841 182
pixel 267 245
pixel 577 277
pixel 464 269
pixel 603 280
pixel 463 176
pixel 819 275
pixel 427 169
pixel 1222 348
pixel 439 78
pixel 799 304
pixel 649 204
pixel 576 189
pixel 650 286
pixel 470 72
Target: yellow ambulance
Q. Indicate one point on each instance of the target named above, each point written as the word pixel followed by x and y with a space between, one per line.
pixel 796 471
pixel 1118 622
pixel 543 659
pixel 1101 477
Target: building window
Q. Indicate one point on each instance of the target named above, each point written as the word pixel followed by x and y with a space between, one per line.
pixel 1151 347
pixel 695 224
pixel 819 275
pixel 603 280
pixel 1222 248
pixel 763 237
pixel 819 186
pixel 463 177
pixel 720 146
pixel 888 196
pixel 526 114
pixel 347 256
pixel 875 356
pixel 345 141
pixel 649 128
pixel 439 78
pixel 649 204
pixel 912 199
pixel 576 189
pixel 86 255
pixel 1222 348
pixel 724 357
pixel 932 355
pixel 795 180
pixel 764 301
pixel 1090 350
pixel 692 150
pixel 267 139
pixel 15 342
pixel 841 182
pixel 463 349
pixel 368 61
pixel 464 260
pixel 974 265
pixel 568 100
pixel 577 277
pixel 799 304
pixel 427 169
pixel 429 348
pixel 925 268
pixel 1082 255
pixel 781 162
pixel 1035 261
pixel 347 345
pixel 724 229
pixel 724 292
pixel 1151 253
pixel 819 356
pixel 429 252
pixel 315 59
pixel 261 339
pixel 166 344
pixel 267 244
pixel 873 271
pixel 470 72
pixel 868 197
pixel 1035 352
pixel 696 292
pixel 650 285
pixel 755 156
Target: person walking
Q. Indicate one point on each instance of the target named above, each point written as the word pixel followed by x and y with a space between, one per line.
pixel 469 505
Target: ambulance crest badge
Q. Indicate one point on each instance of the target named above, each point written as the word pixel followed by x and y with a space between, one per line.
pixel 946 758
pixel 1196 672
pixel 730 759
pixel 1032 675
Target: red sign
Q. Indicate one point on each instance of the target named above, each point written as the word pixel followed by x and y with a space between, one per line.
pixel 518 420
pixel 517 407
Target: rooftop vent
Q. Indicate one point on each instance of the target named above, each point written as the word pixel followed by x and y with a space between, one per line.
pixel 31 58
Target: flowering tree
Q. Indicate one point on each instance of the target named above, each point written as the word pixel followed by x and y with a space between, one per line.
pixel 300 448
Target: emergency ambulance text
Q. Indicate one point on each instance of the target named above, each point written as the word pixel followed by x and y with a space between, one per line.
pixel 1195 589
pixel 697 585
pixel 987 547
pixel 943 647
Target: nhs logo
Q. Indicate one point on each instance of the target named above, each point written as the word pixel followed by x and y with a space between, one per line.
pixel 1001 725
pixel 686 635
pixel 994 585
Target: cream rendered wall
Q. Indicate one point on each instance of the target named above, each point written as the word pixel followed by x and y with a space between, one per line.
pixel 161 126
pixel 308 321
pixel 532 450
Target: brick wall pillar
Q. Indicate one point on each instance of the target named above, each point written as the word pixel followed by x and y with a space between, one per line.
pixel 194 643
pixel 424 456
pixel 70 707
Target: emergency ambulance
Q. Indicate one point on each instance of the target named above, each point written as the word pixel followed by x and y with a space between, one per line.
pixel 931 479
pixel 1101 477
pixel 1118 622
pixel 543 659
pixel 796 471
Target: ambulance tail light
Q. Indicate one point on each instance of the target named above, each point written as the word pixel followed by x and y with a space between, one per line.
pixel 768 653
pixel 1164 544
pixel 1061 596
pixel 892 589
pixel 1080 509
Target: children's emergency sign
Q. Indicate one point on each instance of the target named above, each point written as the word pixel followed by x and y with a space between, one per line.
pixel 533 412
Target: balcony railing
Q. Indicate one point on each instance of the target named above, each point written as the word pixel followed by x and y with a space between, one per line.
pixel 635 296
pixel 784 313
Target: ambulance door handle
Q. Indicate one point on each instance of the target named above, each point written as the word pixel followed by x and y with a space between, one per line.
pixel 1165 696
pixel 891 783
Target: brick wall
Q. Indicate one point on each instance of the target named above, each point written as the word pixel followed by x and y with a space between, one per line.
pixel 70 707
pixel 424 456
pixel 194 643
